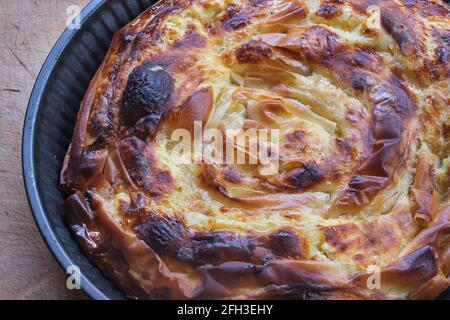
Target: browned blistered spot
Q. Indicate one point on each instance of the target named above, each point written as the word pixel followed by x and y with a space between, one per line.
pixel 125 39
pixel 231 175
pixel 285 243
pixel 333 235
pixel 330 9
pixel 140 161
pixel 446 130
pixel 344 146
pixel 253 52
pixel 160 11
pixel 296 139
pixel 400 21
pixel 404 21
pixel 440 66
pixel 354 66
pixel 367 241
pixel 257 3
pixel 306 176
pixel 164 235
pixel 191 39
pixel 235 18
pixel 428 8
pixel 442 38
pixel 401 27
pixel 442 54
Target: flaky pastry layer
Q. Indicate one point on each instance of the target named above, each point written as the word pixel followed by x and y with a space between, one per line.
pixel 358 91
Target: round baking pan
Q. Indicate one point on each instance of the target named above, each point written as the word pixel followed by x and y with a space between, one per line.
pixel 49 124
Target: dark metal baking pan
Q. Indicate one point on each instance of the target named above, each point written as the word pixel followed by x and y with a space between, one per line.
pixel 49 123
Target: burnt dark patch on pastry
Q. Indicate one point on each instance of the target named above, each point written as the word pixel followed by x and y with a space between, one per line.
pixel 80 218
pixel 171 238
pixel 147 126
pixel 361 81
pixel 124 40
pixel 286 243
pixel 166 237
pixel 356 67
pixel 320 45
pixel 280 279
pixel 148 92
pixel 305 177
pixel 253 52
pixel 140 161
pixel 442 54
pixel 446 130
pixel 399 25
pixel 218 247
pixel 441 62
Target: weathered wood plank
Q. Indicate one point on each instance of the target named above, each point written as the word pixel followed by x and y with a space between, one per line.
pixel 28 30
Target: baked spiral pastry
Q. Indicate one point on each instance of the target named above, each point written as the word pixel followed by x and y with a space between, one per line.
pixel 356 92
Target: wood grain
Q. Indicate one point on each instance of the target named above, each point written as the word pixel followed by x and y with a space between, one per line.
pixel 28 30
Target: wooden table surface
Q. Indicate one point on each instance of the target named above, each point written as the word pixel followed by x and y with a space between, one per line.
pixel 28 30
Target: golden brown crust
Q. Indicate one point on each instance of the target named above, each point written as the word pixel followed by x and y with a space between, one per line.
pixel 363 181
